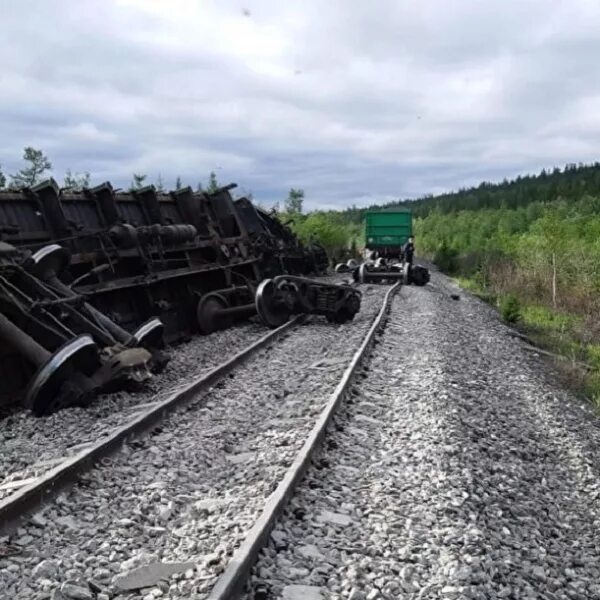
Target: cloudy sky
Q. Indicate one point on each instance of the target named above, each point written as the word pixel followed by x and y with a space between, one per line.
pixel 354 101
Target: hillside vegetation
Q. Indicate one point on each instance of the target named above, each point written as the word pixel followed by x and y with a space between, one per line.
pixel 531 246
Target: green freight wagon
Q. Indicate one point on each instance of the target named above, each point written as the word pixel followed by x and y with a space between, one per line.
pixel 386 231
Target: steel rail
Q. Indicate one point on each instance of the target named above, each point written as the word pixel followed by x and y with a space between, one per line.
pixel 230 584
pixel 31 496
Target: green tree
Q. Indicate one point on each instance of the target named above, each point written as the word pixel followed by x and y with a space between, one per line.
pixel 2 179
pixel 138 181
pixel 551 227
pixel 159 185
pixel 178 185
pixel 213 185
pixel 294 201
pixel 30 175
pixel 76 181
pixel 320 227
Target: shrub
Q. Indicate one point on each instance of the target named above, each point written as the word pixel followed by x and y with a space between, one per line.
pixel 445 258
pixel 510 308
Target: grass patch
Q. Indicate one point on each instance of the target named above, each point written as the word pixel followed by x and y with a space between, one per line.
pixel 542 317
pixel 471 285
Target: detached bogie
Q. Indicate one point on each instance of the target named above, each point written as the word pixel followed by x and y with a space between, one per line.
pixel 279 298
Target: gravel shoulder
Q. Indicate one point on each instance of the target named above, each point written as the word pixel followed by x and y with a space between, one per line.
pixel 188 492
pixel 459 469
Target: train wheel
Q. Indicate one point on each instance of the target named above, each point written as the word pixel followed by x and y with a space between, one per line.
pixel 363 274
pixel 56 383
pixel 270 309
pixel 209 313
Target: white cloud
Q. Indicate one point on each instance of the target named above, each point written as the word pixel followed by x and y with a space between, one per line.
pixel 355 102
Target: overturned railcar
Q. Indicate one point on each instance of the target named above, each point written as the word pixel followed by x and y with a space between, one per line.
pixel 280 249
pixel 141 254
pixel 154 264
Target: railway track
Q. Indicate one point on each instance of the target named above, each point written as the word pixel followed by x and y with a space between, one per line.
pixel 32 446
pixel 228 446
pixel 25 490
pixel 231 584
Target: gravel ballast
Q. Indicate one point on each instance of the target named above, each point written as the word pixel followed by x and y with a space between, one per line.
pixel 165 514
pixel 26 440
pixel 459 468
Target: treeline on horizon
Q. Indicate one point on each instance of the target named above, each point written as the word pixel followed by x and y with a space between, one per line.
pixel 537 237
pixel 344 229
pixel 571 182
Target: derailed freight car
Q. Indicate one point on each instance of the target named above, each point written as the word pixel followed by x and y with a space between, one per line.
pixel 142 254
pixel 192 259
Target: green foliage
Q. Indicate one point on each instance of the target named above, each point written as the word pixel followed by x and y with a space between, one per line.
pixel 213 185
pixel 76 181
pixel 38 164
pixel 545 318
pixel 510 308
pixel 178 185
pixel 159 185
pixel 2 179
pixel 445 258
pixel 592 388
pixel 139 180
pixel 294 201
pixel 593 356
pixel 325 228
pixel 318 227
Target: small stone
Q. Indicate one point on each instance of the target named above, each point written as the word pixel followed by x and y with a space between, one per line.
pixel 211 559
pixel 38 521
pixel 310 551
pixel 449 591
pixel 242 457
pixel 279 540
pixel 334 518
pixel 149 575
pixel 367 419
pixel 24 540
pixel 302 592
pixel 74 591
pixel 298 572
pixel 67 522
pixel 165 513
pixel 207 506
pixel 102 574
pixel 46 569
pixel 95 586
